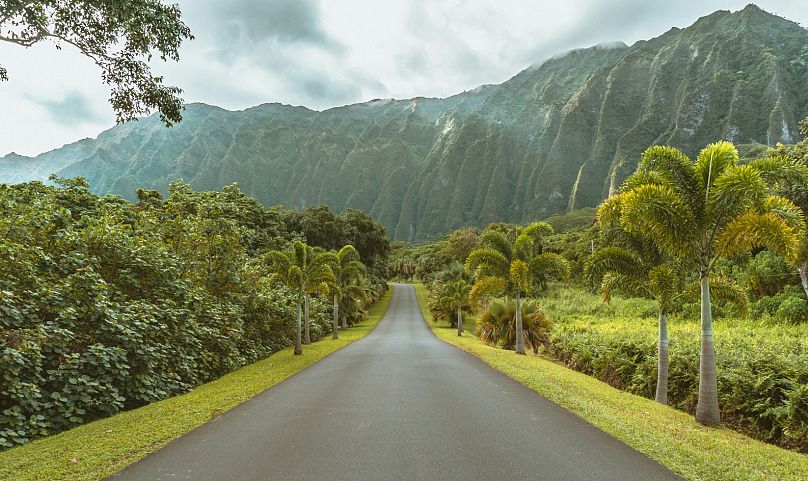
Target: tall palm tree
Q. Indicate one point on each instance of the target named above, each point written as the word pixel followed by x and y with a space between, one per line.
pixel 699 211
pixel 455 296
pixel 513 267
pixel 624 269
pixel 347 286
pixel 305 270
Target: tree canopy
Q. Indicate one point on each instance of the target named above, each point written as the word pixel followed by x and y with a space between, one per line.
pixel 121 37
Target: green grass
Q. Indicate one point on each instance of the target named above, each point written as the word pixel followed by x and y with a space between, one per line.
pixel 671 437
pixel 108 445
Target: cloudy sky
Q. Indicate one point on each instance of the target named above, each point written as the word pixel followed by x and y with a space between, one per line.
pixel 327 53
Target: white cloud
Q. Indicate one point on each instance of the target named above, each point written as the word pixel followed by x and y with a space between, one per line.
pixel 327 53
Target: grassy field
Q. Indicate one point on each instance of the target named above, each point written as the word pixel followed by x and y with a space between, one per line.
pixel 669 436
pixel 106 446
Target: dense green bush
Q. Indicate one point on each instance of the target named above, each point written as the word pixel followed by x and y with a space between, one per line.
pixel 107 305
pixel 787 306
pixel 762 367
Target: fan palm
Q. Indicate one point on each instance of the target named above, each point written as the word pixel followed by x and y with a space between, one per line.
pixel 347 285
pixel 513 267
pixel 699 211
pixel 496 324
pixel 455 296
pixel 305 270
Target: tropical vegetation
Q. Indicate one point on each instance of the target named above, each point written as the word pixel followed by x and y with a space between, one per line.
pixel 107 305
pixel 716 238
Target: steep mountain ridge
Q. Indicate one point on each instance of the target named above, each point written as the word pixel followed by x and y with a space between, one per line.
pixel 556 136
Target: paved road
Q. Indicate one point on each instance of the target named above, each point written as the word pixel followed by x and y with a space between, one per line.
pixel 397 405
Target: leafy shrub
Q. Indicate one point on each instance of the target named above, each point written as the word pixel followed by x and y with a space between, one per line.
pixel 107 305
pixel 789 305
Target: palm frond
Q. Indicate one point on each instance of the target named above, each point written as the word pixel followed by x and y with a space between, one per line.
pixel 659 213
pixel 549 265
pixel 786 210
pixel 751 230
pixel 537 230
pixel 497 241
pixel 736 190
pixel 779 169
pixel 670 164
pixel 613 282
pixel 487 263
pixel 664 284
pixel 609 211
pixel 642 177
pixel 722 289
pixel 613 259
pixel 713 160
pixel 485 287
pixel 347 254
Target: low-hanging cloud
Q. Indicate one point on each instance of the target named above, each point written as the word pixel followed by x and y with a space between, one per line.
pixel 72 108
pixel 325 53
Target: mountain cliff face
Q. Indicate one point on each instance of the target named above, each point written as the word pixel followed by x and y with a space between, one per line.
pixel 555 137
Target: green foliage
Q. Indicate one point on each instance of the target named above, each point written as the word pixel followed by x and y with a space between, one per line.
pixel 578 219
pixel 516 259
pixel 107 305
pixel 496 325
pixel 119 37
pixel 765 274
pixel 447 297
pixel 786 306
pixel 763 368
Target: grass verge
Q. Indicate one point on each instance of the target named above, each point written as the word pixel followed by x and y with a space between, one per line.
pixel 671 437
pixel 108 445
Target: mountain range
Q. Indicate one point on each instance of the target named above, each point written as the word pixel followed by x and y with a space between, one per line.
pixel 557 136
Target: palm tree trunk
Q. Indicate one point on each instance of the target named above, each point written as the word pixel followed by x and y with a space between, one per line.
pixel 306 334
pixel 662 360
pixel 707 411
pixel 803 269
pixel 334 334
pixel 344 321
pixel 459 321
pixel 520 335
pixel 298 347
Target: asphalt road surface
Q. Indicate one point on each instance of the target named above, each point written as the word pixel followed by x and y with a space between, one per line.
pixel 397 405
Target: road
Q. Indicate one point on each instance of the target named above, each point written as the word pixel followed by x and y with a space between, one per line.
pixel 397 405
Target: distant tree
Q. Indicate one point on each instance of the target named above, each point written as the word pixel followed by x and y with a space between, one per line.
pixel 349 272
pixel 120 37
pixel 455 296
pixel 368 236
pixel 699 212
pixel 461 242
pixel 513 267
pixel 304 271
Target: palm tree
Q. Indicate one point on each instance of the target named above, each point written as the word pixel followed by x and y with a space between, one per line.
pixel 512 267
pixel 620 268
pixel 347 286
pixel 455 296
pixel 496 324
pixel 700 211
pixel 305 270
